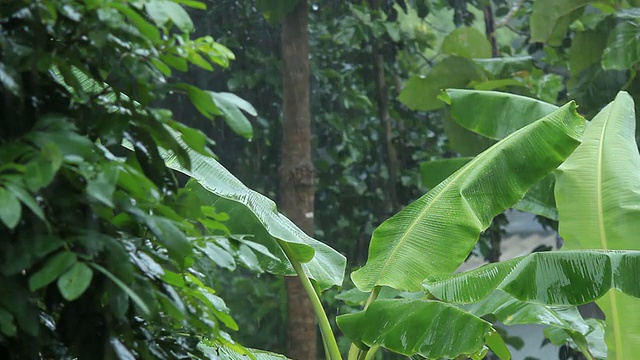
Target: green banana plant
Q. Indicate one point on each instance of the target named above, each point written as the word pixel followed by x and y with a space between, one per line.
pixel 436 232
pixel 419 248
pixel 598 199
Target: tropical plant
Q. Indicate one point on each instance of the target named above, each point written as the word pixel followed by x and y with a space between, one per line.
pixel 418 249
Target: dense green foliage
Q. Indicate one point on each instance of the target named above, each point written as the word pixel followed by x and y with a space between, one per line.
pixel 101 248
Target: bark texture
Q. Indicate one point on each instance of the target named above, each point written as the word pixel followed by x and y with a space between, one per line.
pixel 296 171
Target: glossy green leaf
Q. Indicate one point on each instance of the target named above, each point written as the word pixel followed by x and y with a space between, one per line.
pixel 147 30
pixel 431 329
pixel 256 214
pixel 231 106
pixel 54 267
pixel 598 197
pixel 10 208
pixel 27 199
pixel 40 171
pixel 421 91
pixel 623 47
pixel 550 19
pixel 75 281
pixel 161 11
pixel 553 278
pixel 167 233
pixel 218 255
pixel 466 42
pixel 435 233
pixel 538 200
pixel 102 187
pixel 495 114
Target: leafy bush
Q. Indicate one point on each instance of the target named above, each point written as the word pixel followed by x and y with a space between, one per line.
pixel 99 245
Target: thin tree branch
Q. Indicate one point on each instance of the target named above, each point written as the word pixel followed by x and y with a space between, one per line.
pixel 514 9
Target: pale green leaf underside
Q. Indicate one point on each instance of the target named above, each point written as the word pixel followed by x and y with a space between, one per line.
pixel 598 199
pixel 511 311
pixel 230 195
pixel 553 278
pixel 435 233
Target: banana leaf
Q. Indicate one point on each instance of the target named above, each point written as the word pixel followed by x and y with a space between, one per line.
pixel 561 320
pixel 431 329
pixel 538 200
pixel 252 213
pixel 553 278
pixel 598 198
pixel 494 114
pixel 435 233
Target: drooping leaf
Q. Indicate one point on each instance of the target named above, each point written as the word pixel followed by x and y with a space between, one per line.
pixel 54 267
pixel 75 281
pixel 421 91
pixel 466 42
pixel 218 255
pixel 253 213
pixel 40 171
pixel 431 329
pixel 623 48
pixel 435 233
pixel 495 114
pixel 538 200
pixel 132 294
pixel 231 106
pixel 511 311
pixel 554 278
pixel 550 19
pixel 598 198
pixel 162 11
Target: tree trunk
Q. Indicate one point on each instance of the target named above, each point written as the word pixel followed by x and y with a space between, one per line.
pixel 296 171
pixel 391 156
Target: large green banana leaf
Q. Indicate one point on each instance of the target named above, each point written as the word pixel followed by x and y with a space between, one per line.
pixel 553 278
pixel 431 329
pixel 494 114
pixel 435 233
pixel 564 319
pixel 538 200
pixel 598 199
pixel 253 213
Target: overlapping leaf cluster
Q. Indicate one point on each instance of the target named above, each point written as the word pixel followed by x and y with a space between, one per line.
pixel 99 245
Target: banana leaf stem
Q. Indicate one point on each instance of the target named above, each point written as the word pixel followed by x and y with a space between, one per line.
pixel 356 353
pixel 328 339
